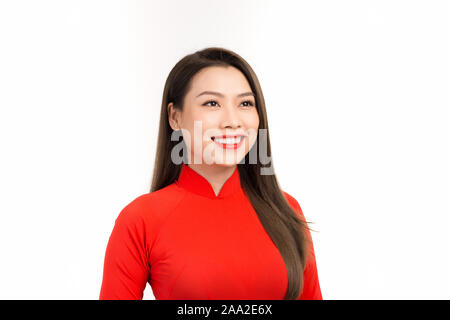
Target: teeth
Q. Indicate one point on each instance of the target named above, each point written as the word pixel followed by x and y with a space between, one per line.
pixel 228 140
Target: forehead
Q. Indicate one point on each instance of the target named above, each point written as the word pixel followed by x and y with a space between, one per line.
pixel 227 80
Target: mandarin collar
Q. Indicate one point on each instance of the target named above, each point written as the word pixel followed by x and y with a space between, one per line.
pixel 192 181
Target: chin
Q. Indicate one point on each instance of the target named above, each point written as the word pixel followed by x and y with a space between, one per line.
pixel 223 160
pixel 227 164
pixel 214 162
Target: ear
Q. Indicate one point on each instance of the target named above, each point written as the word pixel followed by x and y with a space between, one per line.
pixel 173 117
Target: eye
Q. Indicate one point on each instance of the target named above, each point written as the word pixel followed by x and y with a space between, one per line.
pixel 250 103
pixel 210 101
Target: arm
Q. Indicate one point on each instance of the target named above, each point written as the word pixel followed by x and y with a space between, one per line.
pixel 311 287
pixel 126 269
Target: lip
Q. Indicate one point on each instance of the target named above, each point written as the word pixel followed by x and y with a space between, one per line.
pixel 227 145
pixel 228 136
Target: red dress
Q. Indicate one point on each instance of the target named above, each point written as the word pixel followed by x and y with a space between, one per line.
pixel 188 243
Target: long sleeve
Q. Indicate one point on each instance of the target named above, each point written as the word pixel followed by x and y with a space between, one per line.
pixel 311 286
pixel 311 289
pixel 126 268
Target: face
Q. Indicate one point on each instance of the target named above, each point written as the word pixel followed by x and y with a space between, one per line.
pixel 219 103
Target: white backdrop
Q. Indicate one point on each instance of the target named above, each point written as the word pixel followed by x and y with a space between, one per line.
pixel 358 101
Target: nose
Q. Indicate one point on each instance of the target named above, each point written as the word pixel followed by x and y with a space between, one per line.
pixel 230 117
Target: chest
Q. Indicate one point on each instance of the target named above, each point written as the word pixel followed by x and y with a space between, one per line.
pixel 216 252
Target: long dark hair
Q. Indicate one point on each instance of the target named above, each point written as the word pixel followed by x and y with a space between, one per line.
pixel 279 219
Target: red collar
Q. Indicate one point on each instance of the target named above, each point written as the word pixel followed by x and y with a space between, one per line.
pixel 192 181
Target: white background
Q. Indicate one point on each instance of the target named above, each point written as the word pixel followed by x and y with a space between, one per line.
pixel 358 102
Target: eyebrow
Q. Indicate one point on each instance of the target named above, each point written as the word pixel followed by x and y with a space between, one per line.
pixel 221 95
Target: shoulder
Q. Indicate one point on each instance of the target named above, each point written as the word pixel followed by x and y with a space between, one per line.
pixel 293 202
pixel 151 208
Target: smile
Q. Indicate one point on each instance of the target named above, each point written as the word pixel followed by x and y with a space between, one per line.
pixel 229 143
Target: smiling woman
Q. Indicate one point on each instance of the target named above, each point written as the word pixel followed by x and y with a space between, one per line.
pixel 216 225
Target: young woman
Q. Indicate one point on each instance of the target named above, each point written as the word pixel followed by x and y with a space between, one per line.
pixel 216 224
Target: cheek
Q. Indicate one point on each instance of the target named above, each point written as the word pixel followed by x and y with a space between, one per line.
pixel 252 125
pixel 199 129
pixel 252 121
pixel 252 116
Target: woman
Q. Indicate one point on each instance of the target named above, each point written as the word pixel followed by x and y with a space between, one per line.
pixel 216 224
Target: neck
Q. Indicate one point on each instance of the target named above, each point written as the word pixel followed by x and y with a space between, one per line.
pixel 215 174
